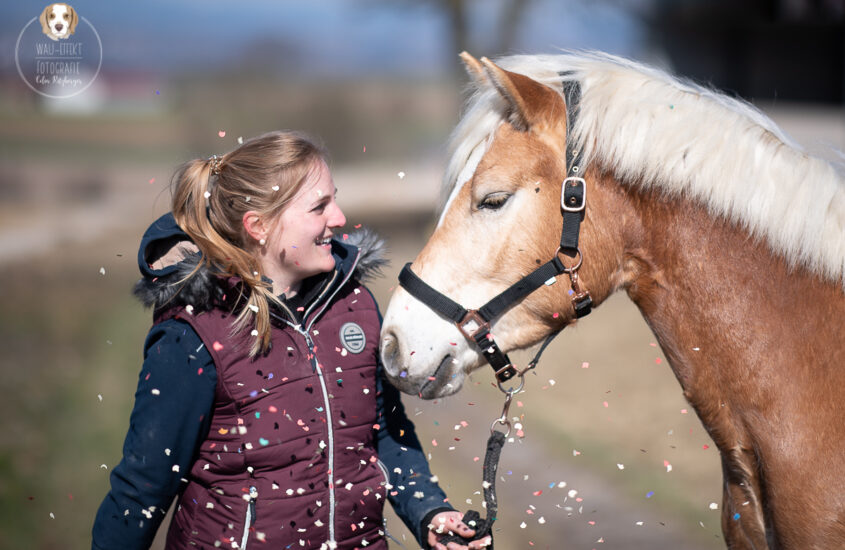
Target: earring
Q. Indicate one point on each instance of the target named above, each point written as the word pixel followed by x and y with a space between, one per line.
pixel 262 242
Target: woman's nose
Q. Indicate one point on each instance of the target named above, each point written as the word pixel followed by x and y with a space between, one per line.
pixel 336 217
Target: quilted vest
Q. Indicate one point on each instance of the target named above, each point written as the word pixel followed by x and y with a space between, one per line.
pixel 290 459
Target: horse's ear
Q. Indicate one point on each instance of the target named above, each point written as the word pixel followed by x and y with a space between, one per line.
pixel 530 102
pixel 473 67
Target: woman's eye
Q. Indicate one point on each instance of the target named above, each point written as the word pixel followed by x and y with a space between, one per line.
pixel 493 201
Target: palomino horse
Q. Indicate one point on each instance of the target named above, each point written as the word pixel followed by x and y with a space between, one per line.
pixel 728 238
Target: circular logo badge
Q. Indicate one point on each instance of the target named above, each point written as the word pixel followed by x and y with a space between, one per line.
pixel 352 337
pixel 59 53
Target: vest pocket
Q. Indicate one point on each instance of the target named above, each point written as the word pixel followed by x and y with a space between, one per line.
pixel 249 521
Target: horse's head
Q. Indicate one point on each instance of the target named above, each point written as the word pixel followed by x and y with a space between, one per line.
pixel 501 221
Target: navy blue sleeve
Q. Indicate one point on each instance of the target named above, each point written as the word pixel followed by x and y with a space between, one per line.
pixel 171 417
pixel 414 492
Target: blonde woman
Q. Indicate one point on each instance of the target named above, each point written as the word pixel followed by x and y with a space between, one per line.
pixel 260 403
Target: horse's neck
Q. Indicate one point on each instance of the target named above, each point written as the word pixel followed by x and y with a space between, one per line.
pixel 728 313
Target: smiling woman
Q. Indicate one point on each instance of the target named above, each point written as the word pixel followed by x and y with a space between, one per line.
pixel 236 412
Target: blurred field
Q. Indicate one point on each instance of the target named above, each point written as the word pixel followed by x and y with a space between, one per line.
pixel 603 412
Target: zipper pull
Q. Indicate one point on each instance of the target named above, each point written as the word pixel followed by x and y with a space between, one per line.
pixel 253 496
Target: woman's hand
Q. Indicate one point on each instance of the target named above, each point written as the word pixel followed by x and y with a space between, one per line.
pixel 449 523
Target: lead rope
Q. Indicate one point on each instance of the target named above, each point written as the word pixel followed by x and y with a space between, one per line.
pixel 484 527
pixel 491 461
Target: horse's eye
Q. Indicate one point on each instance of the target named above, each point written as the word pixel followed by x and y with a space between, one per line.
pixel 494 201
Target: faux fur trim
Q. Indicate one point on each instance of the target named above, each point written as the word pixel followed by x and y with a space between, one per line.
pixel 373 254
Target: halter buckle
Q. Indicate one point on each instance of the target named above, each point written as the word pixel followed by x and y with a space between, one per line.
pixel 573 181
pixel 472 324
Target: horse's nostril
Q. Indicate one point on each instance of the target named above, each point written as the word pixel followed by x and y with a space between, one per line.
pixel 389 350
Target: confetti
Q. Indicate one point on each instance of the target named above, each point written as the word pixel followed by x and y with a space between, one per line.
pixel 102 271
pixel 240 140
pixel 401 175
pixel 585 365
pixel 222 133
pixel 649 494
pixel 714 506
pixel 217 346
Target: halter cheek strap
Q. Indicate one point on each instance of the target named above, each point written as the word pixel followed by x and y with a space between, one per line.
pixel 475 324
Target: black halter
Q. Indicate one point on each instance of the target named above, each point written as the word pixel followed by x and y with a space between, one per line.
pixel 475 324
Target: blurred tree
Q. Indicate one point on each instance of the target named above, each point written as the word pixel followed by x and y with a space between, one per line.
pixel 461 23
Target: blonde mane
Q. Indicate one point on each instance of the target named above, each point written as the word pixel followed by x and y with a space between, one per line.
pixel 646 127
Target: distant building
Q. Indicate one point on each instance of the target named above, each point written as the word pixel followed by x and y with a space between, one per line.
pixel 792 50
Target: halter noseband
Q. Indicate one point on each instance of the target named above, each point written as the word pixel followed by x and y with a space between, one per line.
pixel 474 324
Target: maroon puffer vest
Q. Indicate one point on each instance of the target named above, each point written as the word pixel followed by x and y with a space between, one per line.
pixel 289 460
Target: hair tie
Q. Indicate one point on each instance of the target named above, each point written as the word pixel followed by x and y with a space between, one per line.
pixel 216 163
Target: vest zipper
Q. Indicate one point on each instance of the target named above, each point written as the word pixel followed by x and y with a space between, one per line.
pixel 330 429
pixel 250 515
pixel 387 487
pixel 303 330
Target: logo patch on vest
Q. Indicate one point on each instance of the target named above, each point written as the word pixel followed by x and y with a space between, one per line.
pixel 352 337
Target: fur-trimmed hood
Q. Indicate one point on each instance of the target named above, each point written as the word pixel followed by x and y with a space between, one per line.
pixel 167 256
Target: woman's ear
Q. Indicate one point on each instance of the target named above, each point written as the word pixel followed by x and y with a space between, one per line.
pixel 254 226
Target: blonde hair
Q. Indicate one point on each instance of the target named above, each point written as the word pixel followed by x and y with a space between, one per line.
pixel 211 196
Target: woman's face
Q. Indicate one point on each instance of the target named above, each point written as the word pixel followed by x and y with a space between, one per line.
pixel 298 246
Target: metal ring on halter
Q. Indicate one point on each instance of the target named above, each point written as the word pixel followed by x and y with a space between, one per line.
pixel 512 391
pixel 577 266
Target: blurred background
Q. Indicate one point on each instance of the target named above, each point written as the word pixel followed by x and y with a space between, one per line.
pixel 610 457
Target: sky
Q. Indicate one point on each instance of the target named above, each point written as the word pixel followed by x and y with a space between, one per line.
pixel 322 37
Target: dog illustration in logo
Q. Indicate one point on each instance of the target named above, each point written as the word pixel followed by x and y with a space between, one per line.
pixel 58 21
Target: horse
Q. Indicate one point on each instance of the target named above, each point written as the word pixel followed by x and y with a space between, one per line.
pixel 726 235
